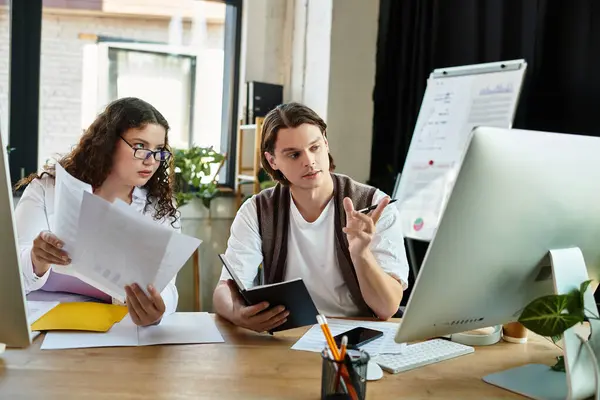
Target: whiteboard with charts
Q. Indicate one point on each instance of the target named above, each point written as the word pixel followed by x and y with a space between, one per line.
pixel 456 100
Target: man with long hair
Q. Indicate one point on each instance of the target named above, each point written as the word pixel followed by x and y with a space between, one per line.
pixel 308 227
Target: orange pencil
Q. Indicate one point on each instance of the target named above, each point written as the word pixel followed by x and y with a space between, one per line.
pixel 328 337
pixel 343 348
pixel 344 344
pixel 329 333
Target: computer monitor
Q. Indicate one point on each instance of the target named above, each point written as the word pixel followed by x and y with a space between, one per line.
pixel 518 194
pixel 14 329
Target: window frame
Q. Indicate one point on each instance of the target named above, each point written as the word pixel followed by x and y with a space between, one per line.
pixel 24 87
pixel 24 78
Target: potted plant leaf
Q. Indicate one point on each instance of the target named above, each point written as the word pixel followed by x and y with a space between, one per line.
pixel 552 315
pixel 196 170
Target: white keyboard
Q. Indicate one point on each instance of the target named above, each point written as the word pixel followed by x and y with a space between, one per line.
pixel 421 354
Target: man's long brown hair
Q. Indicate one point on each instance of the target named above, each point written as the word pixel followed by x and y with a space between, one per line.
pixel 92 159
pixel 289 115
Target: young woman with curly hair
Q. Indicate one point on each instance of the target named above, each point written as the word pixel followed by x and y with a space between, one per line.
pixel 123 155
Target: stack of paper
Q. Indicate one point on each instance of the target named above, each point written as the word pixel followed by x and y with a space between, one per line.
pixel 111 244
pixel 177 328
pixel 314 340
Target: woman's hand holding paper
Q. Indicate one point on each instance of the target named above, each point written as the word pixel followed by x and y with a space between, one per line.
pixel 144 309
pixel 47 250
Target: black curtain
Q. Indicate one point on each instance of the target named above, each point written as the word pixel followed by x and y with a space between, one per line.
pixel 561 91
pixel 555 37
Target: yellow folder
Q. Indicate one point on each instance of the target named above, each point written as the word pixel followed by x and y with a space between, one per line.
pixel 85 316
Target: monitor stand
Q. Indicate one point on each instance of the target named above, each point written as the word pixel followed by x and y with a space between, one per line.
pixel 538 381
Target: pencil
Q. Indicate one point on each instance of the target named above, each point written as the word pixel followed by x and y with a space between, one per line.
pixel 343 347
pixel 342 357
pixel 328 337
pixel 374 206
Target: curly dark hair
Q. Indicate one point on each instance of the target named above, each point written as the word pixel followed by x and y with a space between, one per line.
pixel 92 159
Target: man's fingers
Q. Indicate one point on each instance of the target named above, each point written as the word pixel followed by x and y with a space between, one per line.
pixel 348 207
pixel 251 311
pixel 365 219
pixel 272 314
pixel 275 324
pixel 157 299
pixel 379 210
pixel 362 235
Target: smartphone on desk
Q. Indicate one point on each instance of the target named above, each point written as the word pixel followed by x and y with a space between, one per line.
pixel 358 336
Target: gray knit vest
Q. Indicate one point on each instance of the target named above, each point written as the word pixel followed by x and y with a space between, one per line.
pixel 273 210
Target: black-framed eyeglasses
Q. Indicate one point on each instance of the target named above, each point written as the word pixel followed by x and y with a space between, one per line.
pixel 144 154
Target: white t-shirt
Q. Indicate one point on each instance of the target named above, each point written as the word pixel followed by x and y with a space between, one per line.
pixel 311 253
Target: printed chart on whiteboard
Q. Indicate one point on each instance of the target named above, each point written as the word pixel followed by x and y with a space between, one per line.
pixel 456 101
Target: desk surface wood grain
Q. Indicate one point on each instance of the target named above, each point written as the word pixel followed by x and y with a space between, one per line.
pixel 246 366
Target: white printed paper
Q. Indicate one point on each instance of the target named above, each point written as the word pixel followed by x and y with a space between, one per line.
pixel 177 328
pixel 118 247
pixel 181 328
pixel 112 245
pixel 121 334
pixel 67 204
pixel 314 339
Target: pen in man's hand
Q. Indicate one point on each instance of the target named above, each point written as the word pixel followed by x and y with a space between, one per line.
pixel 371 208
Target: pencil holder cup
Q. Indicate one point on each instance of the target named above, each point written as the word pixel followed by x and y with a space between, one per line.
pixel 345 379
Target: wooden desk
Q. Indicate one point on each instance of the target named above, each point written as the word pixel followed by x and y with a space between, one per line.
pixel 246 366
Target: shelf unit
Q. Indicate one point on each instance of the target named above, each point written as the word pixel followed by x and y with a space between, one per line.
pixel 248 175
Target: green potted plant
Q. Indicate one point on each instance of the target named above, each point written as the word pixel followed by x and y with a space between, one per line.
pixel 195 176
pixel 552 315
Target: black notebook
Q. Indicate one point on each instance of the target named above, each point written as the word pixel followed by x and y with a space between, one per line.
pixel 293 295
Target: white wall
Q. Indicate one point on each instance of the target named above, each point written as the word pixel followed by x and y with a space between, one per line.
pixel 318 56
pixel 333 72
pixel 263 29
pixel 311 53
pixel 351 82
pixel 323 52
